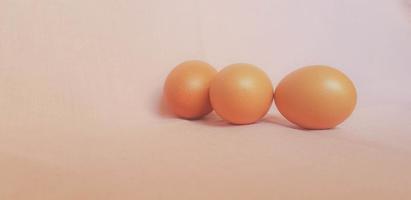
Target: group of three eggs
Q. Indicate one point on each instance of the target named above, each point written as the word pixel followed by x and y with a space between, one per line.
pixel 312 97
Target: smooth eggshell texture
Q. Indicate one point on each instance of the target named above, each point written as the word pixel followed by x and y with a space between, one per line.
pixel 316 97
pixel 186 89
pixel 241 93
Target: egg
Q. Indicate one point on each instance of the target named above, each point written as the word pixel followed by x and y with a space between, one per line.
pixel 241 93
pixel 316 97
pixel 186 89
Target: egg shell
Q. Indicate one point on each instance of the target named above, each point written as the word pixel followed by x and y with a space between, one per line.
pixel 241 93
pixel 186 89
pixel 316 97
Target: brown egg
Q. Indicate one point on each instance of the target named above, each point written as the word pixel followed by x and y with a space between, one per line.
pixel 316 97
pixel 241 93
pixel 186 89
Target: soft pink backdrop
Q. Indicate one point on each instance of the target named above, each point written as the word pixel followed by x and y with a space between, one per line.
pixel 81 114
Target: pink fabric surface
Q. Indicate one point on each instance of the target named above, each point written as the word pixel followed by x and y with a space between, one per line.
pixel 81 115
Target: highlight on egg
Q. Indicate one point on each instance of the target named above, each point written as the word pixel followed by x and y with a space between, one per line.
pixel 186 89
pixel 241 93
pixel 316 97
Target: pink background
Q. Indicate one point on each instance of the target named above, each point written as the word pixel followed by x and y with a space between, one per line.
pixel 81 114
